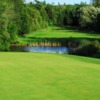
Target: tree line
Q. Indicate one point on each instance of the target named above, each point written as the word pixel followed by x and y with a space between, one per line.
pixel 18 18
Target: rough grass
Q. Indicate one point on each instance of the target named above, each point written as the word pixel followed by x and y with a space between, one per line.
pixel 39 76
pixel 57 32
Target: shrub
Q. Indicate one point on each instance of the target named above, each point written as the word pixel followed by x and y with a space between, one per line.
pixel 87 48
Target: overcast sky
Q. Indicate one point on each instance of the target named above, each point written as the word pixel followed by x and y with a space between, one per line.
pixel 63 1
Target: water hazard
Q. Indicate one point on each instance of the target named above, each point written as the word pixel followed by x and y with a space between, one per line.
pixel 46 49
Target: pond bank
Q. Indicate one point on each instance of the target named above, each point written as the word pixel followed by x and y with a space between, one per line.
pixel 39 44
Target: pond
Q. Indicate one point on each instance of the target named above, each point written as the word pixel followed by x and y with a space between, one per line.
pixel 46 49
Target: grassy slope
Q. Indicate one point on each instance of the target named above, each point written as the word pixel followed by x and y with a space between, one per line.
pixel 39 76
pixel 56 32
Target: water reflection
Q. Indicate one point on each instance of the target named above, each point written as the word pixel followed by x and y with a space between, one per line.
pixel 39 49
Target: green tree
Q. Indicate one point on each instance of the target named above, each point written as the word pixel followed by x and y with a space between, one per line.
pixel 4 36
pixel 89 17
pixel 96 2
pixel 50 13
pixel 35 18
pixel 21 17
pixel 68 15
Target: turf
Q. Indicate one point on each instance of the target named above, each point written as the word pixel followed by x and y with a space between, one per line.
pixel 39 76
pixel 57 32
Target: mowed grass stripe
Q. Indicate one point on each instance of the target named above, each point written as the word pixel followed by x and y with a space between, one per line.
pixel 40 76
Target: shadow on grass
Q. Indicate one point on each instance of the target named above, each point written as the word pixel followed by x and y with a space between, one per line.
pixel 72 38
pixel 84 59
pixel 64 28
pixel 76 29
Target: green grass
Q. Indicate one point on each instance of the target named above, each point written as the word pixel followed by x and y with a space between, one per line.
pixel 56 32
pixel 39 76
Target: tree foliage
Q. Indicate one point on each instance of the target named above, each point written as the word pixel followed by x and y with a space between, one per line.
pixel 96 2
pixel 89 17
pixel 18 18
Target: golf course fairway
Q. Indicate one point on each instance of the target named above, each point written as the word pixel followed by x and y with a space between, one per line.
pixel 42 76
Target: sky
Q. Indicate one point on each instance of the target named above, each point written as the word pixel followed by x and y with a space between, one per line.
pixel 63 1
